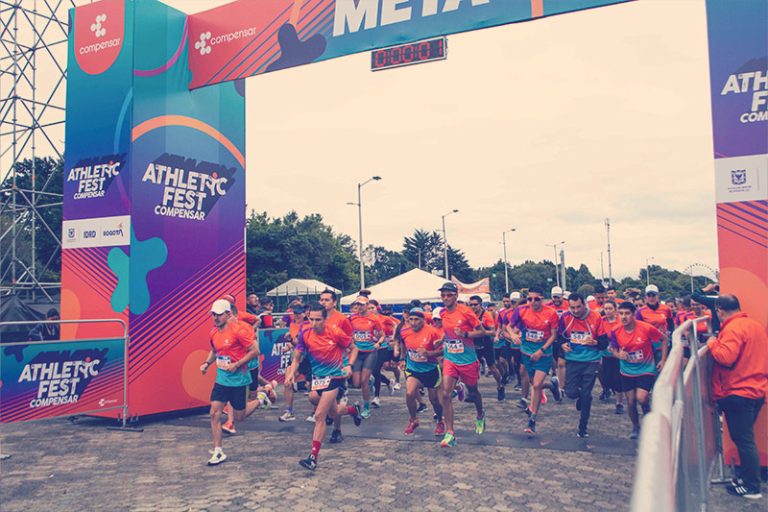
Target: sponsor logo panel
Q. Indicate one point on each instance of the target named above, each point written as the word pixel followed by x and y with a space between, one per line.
pixel 742 178
pixel 98 232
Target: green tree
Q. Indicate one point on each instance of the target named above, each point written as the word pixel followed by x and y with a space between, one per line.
pixel 384 264
pixel 48 179
pixel 290 247
pixel 459 266
pixel 424 249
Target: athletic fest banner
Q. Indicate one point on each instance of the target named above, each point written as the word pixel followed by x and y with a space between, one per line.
pixel 738 60
pixel 46 380
pixel 154 198
pixel 275 354
pixel 246 38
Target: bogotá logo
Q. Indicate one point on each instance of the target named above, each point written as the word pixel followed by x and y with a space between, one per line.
pixel 202 45
pixel 96 27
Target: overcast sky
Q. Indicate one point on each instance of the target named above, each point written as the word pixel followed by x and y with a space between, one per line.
pixel 547 126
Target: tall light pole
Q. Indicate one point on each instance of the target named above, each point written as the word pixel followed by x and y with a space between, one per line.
pixel 562 267
pixel 506 265
pixel 608 236
pixel 648 271
pixel 359 205
pixel 445 243
pixel 555 261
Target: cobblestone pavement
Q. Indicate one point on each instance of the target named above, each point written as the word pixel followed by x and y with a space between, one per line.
pixel 57 465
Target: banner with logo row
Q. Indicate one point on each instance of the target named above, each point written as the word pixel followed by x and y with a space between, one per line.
pixel 738 61
pixel 154 195
pixel 246 38
pixel 58 378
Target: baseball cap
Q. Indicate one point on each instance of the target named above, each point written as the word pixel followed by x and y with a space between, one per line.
pixel 229 298
pixel 437 312
pixel 417 312
pixel 556 291
pixel 651 288
pixel 515 296
pixel 449 287
pixel 221 306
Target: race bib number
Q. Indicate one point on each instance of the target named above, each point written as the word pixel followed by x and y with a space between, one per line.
pixel 635 357
pixel 320 383
pixel 534 335
pixel 362 336
pixel 454 346
pixel 582 338
pixel 223 362
pixel 416 357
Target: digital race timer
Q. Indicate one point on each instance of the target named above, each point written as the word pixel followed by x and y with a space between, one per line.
pixel 407 54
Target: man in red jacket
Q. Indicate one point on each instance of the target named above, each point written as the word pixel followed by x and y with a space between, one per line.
pixel 739 386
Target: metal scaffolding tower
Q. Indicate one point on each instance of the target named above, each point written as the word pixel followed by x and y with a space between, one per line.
pixel 33 55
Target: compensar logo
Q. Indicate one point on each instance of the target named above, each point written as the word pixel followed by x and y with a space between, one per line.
pixel 99 29
pixel 202 45
pixel 205 42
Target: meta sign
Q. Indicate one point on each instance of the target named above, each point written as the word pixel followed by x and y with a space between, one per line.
pixel 407 54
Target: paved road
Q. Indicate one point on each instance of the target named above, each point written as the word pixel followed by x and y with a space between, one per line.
pixel 60 466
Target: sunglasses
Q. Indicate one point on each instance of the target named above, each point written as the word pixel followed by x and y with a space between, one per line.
pixel 651 294
pixel 447 294
pixel 534 299
pixel 474 304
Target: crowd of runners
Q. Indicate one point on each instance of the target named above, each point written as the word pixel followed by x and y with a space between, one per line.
pixel 533 345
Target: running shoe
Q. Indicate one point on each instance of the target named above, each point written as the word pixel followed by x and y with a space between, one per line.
pixel 460 391
pixel 531 428
pixel 365 413
pixel 500 394
pixel 358 416
pixel 396 386
pixel 635 433
pixel 480 426
pixel 619 408
pixel 376 403
pixel 217 458
pixel 229 428
pixel 556 389
pixel 309 463
pixel 449 440
pixel 336 437
pixel 523 404
pixel 422 407
pixel 743 491
pixel 518 387
pixel 287 416
pixel 440 428
pixel 583 433
pixel 412 424
pixel 311 418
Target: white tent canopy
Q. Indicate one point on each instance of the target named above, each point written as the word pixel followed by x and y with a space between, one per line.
pixel 300 287
pixel 414 284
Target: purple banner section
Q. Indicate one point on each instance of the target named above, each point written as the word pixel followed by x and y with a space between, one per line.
pixel 47 380
pixel 276 354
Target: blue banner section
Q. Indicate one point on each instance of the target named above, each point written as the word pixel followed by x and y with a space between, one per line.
pixel 275 352
pixel 60 378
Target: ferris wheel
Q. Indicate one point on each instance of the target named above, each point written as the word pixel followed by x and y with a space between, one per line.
pixel 705 271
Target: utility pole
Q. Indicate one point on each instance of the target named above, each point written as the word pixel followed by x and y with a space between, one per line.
pixel 562 267
pixel 608 236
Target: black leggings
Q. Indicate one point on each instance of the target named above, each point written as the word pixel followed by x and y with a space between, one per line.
pixel 383 356
pixel 515 360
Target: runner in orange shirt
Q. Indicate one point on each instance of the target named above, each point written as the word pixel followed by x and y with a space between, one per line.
pixel 367 335
pixel 658 315
pixel 558 369
pixel 232 346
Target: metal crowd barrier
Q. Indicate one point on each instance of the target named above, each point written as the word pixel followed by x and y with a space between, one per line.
pixel 681 438
pixel 124 405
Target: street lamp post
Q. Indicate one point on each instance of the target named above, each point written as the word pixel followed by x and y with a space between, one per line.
pixel 648 271
pixel 506 265
pixel 359 205
pixel 555 261
pixel 445 243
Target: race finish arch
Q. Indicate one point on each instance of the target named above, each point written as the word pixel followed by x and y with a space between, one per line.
pixel 154 190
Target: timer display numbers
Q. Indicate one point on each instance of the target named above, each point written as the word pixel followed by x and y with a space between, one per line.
pixel 408 54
